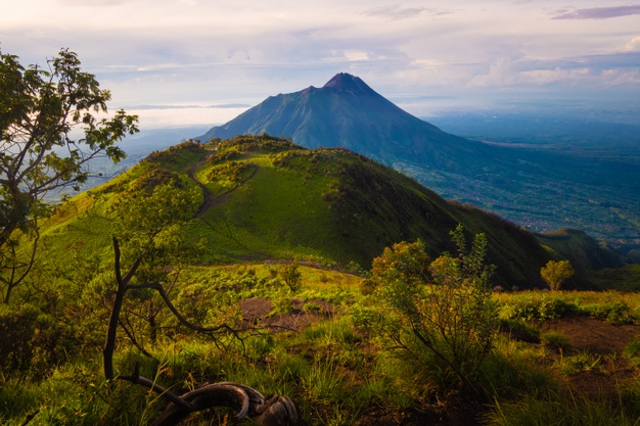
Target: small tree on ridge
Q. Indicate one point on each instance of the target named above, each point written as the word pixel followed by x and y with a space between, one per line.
pixel 557 272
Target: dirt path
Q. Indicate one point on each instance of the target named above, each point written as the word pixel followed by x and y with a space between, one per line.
pixel 209 198
pixel 256 311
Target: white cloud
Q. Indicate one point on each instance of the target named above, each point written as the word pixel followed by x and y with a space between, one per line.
pixel 587 71
pixel 633 45
pixel 500 73
pixel 542 77
pixel 616 77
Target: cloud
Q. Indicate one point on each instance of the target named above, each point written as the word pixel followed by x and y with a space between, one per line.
pixel 592 70
pixel 616 77
pixel 598 12
pixel 195 52
pixel 396 12
pixel 633 45
pixel 501 73
pixel 96 3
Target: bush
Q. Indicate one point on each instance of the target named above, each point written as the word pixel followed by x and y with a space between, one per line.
pixel 291 276
pixel 616 313
pixel 632 350
pixel 32 341
pixel 532 307
pixel 448 310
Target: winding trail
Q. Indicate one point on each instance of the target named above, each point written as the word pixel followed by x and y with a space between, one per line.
pixel 209 198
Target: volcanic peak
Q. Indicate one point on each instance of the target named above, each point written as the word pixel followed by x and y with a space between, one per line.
pixel 347 83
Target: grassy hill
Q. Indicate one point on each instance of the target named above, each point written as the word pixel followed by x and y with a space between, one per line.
pixel 342 349
pixel 265 198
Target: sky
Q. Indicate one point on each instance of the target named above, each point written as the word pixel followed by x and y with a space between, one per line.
pixel 202 62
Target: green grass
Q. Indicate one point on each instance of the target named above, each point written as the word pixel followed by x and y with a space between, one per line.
pixel 273 200
pixel 322 209
pixel 334 371
pixel 557 342
pixel 566 409
pixel 613 307
pixel 579 363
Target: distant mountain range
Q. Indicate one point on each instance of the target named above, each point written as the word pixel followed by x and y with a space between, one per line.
pixel 542 189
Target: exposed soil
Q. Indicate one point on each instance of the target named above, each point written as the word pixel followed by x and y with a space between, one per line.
pixel 592 335
pixel 256 311
pixel 462 416
pixel 605 341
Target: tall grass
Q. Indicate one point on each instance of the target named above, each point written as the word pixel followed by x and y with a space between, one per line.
pixel 562 409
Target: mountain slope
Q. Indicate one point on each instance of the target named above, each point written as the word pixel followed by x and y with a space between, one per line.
pixel 265 198
pixel 347 113
pixel 591 194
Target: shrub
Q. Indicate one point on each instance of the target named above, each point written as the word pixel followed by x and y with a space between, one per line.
pixel 530 307
pixel 32 341
pixel 616 313
pixel 292 276
pixel 632 350
pixel 450 314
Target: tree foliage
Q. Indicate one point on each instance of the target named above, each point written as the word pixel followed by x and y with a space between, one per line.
pixel 555 273
pixel 42 110
pixel 444 307
pixel 150 245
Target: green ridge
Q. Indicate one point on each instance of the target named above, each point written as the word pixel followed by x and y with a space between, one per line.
pixel 266 198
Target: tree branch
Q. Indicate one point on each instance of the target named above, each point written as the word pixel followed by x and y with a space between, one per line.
pixel 177 314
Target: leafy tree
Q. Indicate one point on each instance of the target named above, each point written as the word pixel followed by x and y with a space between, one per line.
pixel 445 308
pixel 149 244
pixel 557 272
pixel 41 112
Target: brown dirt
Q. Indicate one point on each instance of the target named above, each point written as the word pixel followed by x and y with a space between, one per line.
pixel 461 416
pixel 605 341
pixel 595 336
pixel 256 313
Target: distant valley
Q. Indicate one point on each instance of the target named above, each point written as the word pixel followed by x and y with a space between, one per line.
pixel 595 155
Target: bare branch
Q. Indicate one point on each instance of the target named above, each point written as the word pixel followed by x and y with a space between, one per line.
pixel 178 315
pixel 133 339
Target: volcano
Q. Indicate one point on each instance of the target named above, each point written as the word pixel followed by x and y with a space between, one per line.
pixel 347 113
